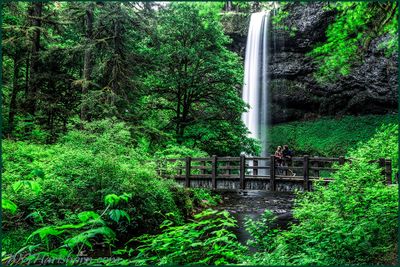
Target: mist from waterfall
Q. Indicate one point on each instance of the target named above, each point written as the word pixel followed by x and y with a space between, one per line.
pixel 256 78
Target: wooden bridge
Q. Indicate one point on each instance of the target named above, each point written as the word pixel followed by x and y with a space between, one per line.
pixel 260 173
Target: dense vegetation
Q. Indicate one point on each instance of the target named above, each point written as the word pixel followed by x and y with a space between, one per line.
pixel 351 221
pixel 166 71
pixel 350 36
pixel 94 93
pixel 51 184
pixel 328 136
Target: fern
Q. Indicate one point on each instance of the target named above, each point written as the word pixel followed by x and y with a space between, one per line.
pixel 33 185
pixel 7 204
pixel 205 240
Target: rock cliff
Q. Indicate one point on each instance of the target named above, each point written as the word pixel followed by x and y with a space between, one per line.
pixel 370 88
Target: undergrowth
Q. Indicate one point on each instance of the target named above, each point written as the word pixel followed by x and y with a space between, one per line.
pixel 327 136
pixel 353 220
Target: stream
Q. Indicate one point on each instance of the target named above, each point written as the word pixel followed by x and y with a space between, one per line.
pixel 252 203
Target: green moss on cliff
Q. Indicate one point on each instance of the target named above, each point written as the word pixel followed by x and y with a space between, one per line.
pixel 327 136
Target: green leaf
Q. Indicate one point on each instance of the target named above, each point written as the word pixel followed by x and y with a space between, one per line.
pixel 16 186
pixel 7 204
pixel 46 231
pixel 87 215
pixel 111 199
pixel 115 215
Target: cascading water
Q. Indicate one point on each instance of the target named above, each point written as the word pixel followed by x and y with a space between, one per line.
pixel 255 86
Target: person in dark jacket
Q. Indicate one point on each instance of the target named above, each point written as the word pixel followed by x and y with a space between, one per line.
pixel 287 157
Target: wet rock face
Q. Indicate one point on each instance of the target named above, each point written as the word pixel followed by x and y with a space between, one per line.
pixel 236 26
pixel 370 88
pixel 307 23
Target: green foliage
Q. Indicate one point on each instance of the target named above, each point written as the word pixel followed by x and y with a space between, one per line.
pixel 159 83
pixel 195 80
pixel 382 145
pixel 7 204
pixel 67 239
pixel 204 240
pixel 280 15
pixel 202 197
pixel 14 240
pixel 33 185
pixel 350 35
pixel 112 200
pixel 262 232
pixel 76 175
pixel 353 220
pixel 327 136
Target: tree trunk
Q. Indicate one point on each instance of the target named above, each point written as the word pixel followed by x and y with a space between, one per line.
pixel 87 61
pixel 13 100
pixel 27 67
pixel 35 13
pixel 182 122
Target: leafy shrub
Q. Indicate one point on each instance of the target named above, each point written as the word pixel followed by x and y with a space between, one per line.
pixel 262 231
pixel 351 221
pixel 202 197
pixel 58 242
pixel 76 174
pixel 205 240
pixel 26 128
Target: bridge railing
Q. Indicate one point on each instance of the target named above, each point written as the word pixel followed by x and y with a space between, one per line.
pixel 267 169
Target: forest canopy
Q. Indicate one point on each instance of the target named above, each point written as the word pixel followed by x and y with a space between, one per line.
pixel 164 69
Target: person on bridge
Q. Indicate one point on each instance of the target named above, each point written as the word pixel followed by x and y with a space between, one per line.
pixel 287 157
pixel 279 157
pixel 278 154
pixel 287 153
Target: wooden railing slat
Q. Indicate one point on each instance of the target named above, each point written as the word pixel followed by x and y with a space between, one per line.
pixel 272 185
pixel 305 173
pixel 242 171
pixel 187 174
pixel 214 172
pixel 310 166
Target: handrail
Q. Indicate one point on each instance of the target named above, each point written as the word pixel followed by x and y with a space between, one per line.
pixel 305 169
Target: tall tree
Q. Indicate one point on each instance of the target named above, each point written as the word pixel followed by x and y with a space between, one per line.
pixel 35 16
pixel 15 89
pixel 195 77
pixel 88 60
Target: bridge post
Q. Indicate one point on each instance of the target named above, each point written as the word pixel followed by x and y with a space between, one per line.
pixel 315 165
pixel 272 174
pixel 388 171
pixel 242 170
pixel 255 164
pixel 187 174
pixel 214 172
pixel 305 173
pixel 341 160
pixel 203 164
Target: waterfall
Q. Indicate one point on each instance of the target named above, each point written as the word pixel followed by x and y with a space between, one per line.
pixel 255 86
